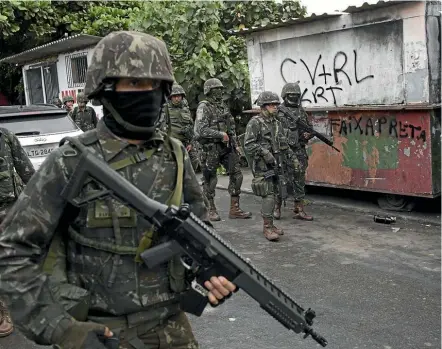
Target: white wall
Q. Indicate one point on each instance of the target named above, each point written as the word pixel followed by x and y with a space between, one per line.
pixel 391 64
pixel 61 72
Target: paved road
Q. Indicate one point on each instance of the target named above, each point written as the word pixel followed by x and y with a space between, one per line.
pixel 371 287
pixel 426 210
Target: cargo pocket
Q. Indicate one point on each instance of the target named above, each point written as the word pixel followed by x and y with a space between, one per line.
pixel 261 186
pixel 100 216
pixel 75 300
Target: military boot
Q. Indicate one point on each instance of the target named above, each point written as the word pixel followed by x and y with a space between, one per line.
pixel 299 212
pixel 6 326
pixel 277 211
pixel 277 230
pixel 268 230
pixel 213 213
pixel 235 210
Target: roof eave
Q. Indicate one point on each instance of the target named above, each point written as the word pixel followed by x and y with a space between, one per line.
pixel 287 23
pixel 69 44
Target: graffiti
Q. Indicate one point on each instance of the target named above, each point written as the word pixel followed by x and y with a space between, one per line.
pixel 380 126
pixel 323 88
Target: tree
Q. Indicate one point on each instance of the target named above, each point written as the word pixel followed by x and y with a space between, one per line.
pixel 196 32
pixel 197 35
pixel 27 24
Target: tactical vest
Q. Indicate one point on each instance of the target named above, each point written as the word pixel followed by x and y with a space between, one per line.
pixel 291 126
pixel 271 139
pixel 11 184
pixel 104 246
pixel 83 119
pixel 217 121
pixel 181 123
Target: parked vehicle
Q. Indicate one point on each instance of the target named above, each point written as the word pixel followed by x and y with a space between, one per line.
pixel 39 128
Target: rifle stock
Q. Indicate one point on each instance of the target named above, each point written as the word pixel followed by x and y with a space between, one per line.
pixel 192 239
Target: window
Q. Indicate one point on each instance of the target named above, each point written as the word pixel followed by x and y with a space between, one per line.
pixel 38 124
pixel 76 68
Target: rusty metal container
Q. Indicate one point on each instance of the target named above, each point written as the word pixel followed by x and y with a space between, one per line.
pixel 394 150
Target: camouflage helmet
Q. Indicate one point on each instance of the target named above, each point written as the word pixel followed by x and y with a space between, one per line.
pixel 68 99
pixel 210 84
pixel 177 90
pixel 290 88
pixel 81 98
pixel 128 54
pixel 267 97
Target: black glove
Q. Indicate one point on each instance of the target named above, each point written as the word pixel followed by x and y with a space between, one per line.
pixel 83 335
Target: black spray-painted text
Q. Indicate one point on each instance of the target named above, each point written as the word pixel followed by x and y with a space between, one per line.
pixel 325 81
pixel 382 125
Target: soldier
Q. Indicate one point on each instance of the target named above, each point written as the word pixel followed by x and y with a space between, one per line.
pixel 15 171
pixel 263 139
pixel 130 73
pixel 57 101
pixel 181 122
pixel 215 131
pixel 83 115
pixel 68 103
pixel 291 94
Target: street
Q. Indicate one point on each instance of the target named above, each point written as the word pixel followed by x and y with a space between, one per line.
pixel 371 286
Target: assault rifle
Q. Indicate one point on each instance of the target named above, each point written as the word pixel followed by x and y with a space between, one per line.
pixel 201 250
pixel 279 174
pixel 306 128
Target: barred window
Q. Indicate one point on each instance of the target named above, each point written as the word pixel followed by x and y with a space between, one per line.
pixel 76 68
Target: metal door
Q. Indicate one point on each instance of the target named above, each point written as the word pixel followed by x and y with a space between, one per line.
pixel 34 85
pixel 51 82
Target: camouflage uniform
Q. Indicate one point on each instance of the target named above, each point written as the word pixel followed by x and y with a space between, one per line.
pixel 263 138
pixel 213 120
pixel 298 161
pixel 83 115
pixel 181 123
pixel 90 277
pixel 15 171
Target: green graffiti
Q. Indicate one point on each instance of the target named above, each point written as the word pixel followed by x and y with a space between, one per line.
pixel 359 148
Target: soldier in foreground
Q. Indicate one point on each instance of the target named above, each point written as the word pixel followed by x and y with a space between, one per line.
pixel 263 139
pixel 215 131
pixel 15 172
pixel 93 252
pixel 291 94
pixel 83 115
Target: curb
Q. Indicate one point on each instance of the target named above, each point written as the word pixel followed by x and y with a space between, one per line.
pixel 369 211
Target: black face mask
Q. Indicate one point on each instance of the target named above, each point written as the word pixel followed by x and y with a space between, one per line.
pixel 293 99
pixel 139 108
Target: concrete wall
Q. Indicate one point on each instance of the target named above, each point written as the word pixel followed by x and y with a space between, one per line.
pixel 370 57
pixel 433 31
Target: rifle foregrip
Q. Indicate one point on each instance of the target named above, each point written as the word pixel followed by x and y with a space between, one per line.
pixel 160 254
